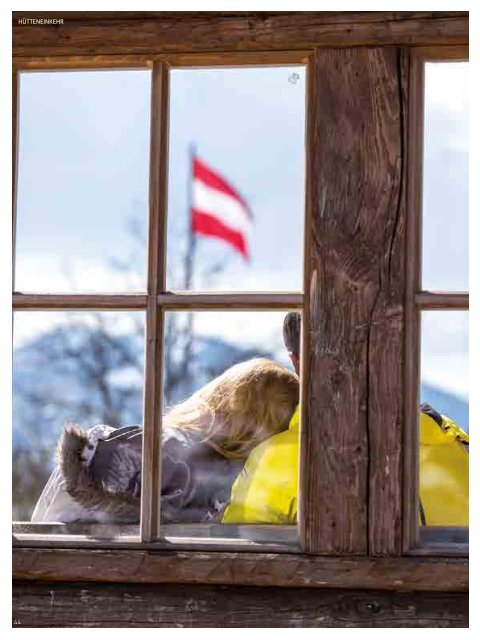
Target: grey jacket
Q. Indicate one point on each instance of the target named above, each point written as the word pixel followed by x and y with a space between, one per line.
pixel 98 478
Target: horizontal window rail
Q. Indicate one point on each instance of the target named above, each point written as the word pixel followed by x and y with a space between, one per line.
pixel 168 300
pixel 441 300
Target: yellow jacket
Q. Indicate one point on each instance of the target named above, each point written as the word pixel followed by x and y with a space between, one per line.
pixel 266 490
pixel 443 466
pixel 267 487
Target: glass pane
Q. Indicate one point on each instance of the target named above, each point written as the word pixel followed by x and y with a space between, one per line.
pixel 230 395
pixel 83 369
pixel 236 179
pixel 444 423
pixel 445 179
pixel 444 368
pixel 83 181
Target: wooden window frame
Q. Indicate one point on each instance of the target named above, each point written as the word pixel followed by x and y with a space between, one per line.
pixel 363 533
pixel 422 540
pixel 155 303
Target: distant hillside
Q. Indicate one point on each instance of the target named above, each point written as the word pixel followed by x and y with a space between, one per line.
pixel 56 380
pixel 450 405
pixel 52 388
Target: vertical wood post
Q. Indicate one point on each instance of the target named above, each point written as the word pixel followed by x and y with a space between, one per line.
pixel 412 314
pixel 152 417
pixel 351 447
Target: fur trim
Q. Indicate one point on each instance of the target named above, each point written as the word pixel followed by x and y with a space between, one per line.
pixel 90 494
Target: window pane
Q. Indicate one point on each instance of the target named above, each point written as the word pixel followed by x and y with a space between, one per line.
pixel 246 393
pixel 83 181
pixel 444 358
pixel 245 129
pixel 445 180
pixel 444 423
pixel 75 368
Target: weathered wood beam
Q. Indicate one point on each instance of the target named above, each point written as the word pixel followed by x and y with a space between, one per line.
pixel 169 32
pixel 242 568
pixel 48 604
pixel 351 450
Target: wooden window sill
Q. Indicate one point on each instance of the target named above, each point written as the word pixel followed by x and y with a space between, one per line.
pixel 240 568
pixel 209 536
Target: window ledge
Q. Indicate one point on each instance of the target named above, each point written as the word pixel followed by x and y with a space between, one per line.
pixel 240 568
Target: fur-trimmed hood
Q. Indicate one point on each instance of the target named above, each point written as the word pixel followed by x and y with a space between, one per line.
pixel 92 494
pixel 100 470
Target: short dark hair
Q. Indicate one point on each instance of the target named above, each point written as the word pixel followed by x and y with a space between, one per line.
pixel 291 332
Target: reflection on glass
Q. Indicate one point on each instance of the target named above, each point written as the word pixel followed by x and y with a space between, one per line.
pixel 444 422
pixel 83 181
pixel 445 179
pixel 236 179
pixel 231 393
pixel 75 368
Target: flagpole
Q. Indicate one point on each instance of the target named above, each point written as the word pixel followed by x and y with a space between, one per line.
pixel 192 239
pixel 189 267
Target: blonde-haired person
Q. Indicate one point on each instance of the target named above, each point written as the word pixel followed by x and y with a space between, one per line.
pixel 205 442
pixel 266 489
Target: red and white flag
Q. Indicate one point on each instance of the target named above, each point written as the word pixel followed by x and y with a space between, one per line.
pixel 218 210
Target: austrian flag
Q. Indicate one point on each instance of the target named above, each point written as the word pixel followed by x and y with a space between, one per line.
pixel 218 210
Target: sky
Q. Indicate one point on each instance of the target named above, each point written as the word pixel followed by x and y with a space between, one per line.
pixel 444 334
pixel 83 179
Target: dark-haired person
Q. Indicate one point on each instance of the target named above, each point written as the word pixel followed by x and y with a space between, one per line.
pixel 266 489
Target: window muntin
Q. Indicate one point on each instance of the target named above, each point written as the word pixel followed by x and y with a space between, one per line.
pixel 247 124
pixel 82 194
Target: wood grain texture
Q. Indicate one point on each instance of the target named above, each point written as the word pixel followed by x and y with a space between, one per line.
pixel 386 339
pixel 152 412
pixel 348 463
pixel 174 60
pixel 96 62
pixel 329 17
pixel 46 604
pixel 237 31
pixel 242 568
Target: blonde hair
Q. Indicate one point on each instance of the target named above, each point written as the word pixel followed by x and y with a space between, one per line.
pixel 239 409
